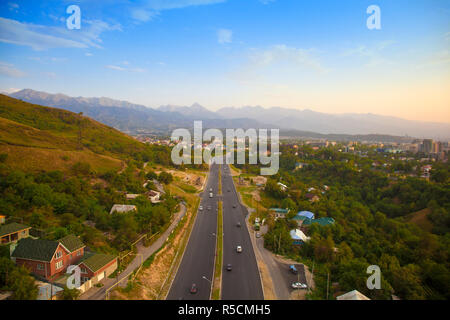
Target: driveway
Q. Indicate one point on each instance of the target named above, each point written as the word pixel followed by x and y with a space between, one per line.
pixel 99 293
pixel 279 270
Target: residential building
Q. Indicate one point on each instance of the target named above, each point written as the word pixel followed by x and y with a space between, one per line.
pixel 13 232
pixel 153 196
pixel 282 186
pixel 122 208
pixel 48 258
pixel 298 237
pixel 95 267
pixel 326 221
pixel 352 295
pixel 132 196
pixel 312 197
pixel 307 214
pixel 279 213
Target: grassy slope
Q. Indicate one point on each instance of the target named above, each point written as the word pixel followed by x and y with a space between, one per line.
pixel 42 138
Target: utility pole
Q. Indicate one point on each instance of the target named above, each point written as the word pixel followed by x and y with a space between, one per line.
pixel 328 280
pixel 279 242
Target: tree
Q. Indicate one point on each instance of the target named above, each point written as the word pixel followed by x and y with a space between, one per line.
pixel 70 294
pixel 165 177
pixel 17 280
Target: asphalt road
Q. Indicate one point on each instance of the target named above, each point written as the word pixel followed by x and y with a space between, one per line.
pixel 198 258
pixel 243 282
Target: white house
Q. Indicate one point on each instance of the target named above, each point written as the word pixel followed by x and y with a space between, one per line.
pixel 122 208
pixel 153 196
pixel 282 186
pixel 352 295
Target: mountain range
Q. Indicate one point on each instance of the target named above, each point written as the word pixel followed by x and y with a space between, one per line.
pixel 134 118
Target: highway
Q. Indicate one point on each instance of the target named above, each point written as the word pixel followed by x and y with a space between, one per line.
pixel 243 281
pixel 198 258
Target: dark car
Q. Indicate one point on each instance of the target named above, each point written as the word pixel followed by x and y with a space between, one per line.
pixel 193 288
pixel 229 268
pixel 293 269
pixel 234 206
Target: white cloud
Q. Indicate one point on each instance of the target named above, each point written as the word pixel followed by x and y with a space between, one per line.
pixel 224 36
pixel 88 54
pixel 9 70
pixel 119 68
pixel 372 54
pixel 40 37
pixel 50 75
pixel 148 9
pixel 13 7
pixel 298 57
pixel 9 90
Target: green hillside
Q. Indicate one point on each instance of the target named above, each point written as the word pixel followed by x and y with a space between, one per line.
pixel 40 138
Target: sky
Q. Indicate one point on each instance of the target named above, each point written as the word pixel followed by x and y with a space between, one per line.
pixel 318 55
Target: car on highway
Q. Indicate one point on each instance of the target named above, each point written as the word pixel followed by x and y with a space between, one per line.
pixel 229 190
pixel 229 268
pixel 293 269
pixel 234 206
pixel 210 194
pixel 239 249
pixel 193 289
pixel 208 208
pixel 238 224
pixel 210 189
pixel 298 285
pixel 200 208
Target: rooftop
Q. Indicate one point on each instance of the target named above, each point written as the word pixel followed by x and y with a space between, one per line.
pixel 352 295
pixel 96 261
pixel 72 242
pixel 35 249
pixel 12 228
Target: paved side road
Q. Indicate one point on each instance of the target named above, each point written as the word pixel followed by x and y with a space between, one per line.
pixel 279 271
pixel 100 293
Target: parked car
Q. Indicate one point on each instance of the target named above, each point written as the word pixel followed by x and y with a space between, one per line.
pixel 293 269
pixel 229 267
pixel 298 285
pixel 258 235
pixel 193 289
pixel 238 224
pixel 239 249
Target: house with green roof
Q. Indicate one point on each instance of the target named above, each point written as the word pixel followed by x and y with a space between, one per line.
pixel 48 258
pixel 13 232
pixel 326 221
pixel 95 267
pixel 279 213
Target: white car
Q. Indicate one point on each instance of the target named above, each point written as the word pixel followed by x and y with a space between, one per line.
pixel 298 285
pixel 200 208
pixel 239 249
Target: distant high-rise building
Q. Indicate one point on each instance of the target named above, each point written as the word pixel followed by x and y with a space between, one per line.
pixel 427 145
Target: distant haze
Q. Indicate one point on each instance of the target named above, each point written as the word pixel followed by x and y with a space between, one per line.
pixel 131 117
